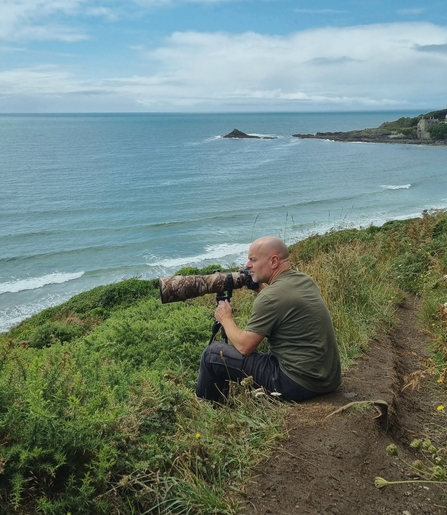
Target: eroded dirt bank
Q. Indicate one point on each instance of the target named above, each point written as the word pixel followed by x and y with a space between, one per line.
pixel 336 447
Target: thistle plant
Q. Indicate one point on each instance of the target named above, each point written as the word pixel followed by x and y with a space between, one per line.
pixel 431 469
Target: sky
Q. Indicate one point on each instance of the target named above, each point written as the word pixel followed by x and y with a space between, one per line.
pixel 78 56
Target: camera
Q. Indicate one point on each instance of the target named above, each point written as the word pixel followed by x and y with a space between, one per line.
pixel 182 287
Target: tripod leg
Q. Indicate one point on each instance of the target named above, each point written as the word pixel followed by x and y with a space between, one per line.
pixel 224 335
pixel 215 330
pixel 216 326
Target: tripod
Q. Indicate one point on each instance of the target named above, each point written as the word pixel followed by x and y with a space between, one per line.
pixel 217 325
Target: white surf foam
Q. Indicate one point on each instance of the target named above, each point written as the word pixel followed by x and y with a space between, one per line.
pixel 32 283
pixel 397 187
pixel 224 254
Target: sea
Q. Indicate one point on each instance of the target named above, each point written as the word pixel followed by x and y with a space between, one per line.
pixel 92 199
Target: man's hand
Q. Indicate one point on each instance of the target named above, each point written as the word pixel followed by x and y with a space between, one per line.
pixel 223 312
pixel 245 342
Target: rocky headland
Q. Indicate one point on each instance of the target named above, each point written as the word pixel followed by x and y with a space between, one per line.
pixel 425 129
pixel 371 136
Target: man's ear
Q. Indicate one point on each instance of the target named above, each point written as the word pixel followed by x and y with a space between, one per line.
pixel 276 261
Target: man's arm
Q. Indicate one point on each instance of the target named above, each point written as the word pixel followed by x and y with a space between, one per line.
pixel 245 342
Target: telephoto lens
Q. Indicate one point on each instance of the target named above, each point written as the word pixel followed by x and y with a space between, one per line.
pixel 182 287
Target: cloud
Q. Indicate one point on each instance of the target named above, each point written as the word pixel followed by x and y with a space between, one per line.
pixel 411 12
pixel 57 19
pixel 441 49
pixel 370 66
pixel 323 61
pixel 34 19
pixel 102 12
pixel 366 64
pixel 46 80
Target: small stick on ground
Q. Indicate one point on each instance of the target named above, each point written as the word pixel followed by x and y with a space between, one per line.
pixel 379 404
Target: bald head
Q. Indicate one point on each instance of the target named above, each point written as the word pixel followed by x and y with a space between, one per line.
pixel 267 258
pixel 271 246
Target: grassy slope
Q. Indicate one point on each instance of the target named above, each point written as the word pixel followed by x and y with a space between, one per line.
pixel 97 410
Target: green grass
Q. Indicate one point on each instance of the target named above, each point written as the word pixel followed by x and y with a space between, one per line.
pixel 97 405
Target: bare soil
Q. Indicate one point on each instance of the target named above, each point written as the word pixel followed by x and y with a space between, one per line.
pixel 336 445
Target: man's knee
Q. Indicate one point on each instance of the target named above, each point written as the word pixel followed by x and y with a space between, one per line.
pixel 219 354
pixel 205 354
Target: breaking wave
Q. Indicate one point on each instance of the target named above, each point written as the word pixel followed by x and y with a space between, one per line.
pixel 32 283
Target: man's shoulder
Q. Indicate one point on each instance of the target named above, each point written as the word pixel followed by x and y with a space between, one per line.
pixel 290 284
pixel 291 276
pixel 288 280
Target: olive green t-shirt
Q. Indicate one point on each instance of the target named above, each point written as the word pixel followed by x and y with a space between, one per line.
pixel 291 313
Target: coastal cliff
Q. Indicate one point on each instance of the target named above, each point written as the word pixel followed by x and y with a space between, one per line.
pixel 425 129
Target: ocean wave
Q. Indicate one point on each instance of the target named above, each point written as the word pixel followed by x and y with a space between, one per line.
pixel 93 234
pixel 290 143
pixel 210 139
pixel 12 315
pixel 263 136
pixel 33 283
pixel 225 254
pixel 397 187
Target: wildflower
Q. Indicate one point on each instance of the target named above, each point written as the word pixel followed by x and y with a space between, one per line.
pixel 391 450
pixel 124 481
pixel 416 444
pixel 247 381
pixel 379 482
pixel 439 472
pixel 418 465
pixel 440 408
pixel 197 435
pixel 440 380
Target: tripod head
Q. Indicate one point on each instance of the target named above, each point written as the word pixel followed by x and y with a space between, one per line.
pixel 222 296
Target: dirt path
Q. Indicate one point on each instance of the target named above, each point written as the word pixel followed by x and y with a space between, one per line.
pixel 329 463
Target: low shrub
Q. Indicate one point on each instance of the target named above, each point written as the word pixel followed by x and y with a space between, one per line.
pixel 97 407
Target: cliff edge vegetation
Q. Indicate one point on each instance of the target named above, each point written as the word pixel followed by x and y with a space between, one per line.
pixel 97 407
pixel 426 129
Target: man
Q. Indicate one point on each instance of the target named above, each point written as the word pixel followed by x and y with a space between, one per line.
pixel 303 359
